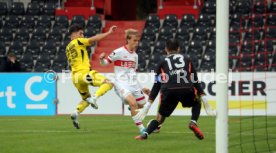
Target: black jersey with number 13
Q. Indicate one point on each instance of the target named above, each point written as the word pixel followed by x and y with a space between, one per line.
pixel 175 71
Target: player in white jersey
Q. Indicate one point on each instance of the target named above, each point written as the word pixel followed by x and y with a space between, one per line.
pixel 126 84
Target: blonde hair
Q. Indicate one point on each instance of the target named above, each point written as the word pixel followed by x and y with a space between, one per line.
pixel 130 32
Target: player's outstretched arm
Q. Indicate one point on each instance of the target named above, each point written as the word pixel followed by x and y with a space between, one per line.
pixel 207 107
pixel 102 35
pixel 142 113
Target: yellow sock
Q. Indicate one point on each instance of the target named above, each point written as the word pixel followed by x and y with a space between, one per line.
pixel 103 89
pixel 81 106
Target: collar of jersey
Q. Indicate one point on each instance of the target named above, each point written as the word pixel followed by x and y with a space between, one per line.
pixel 131 52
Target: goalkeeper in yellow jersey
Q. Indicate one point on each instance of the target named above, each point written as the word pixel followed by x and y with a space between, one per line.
pixel 82 74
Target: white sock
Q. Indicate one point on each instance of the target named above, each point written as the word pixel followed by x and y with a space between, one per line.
pixel 138 122
pixel 89 99
pixel 94 97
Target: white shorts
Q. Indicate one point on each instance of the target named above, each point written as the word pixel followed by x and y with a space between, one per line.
pixel 124 90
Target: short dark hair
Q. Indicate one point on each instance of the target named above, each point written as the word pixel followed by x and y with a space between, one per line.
pixel 75 28
pixel 172 45
pixel 11 54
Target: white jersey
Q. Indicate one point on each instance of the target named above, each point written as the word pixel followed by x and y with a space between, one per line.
pixel 125 65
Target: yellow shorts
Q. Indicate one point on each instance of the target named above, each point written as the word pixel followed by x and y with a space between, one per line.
pixel 83 79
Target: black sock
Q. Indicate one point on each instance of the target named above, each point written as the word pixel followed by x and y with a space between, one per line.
pixel 196 111
pixel 152 126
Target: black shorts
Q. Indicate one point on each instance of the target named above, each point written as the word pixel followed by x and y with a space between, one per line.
pixel 170 99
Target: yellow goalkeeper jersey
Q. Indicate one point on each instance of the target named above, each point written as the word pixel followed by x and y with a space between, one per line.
pixel 77 54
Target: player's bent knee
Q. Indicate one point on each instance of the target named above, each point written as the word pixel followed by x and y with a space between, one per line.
pixel 110 85
pixel 107 81
pixel 132 105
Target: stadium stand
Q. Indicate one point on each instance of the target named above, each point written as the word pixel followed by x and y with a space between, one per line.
pixel 6 35
pixel 153 22
pixel 33 9
pixel 149 35
pixel 28 22
pixel 33 47
pixel 94 22
pixel 27 62
pixel 165 34
pixel 2 49
pixel 3 9
pixel 17 48
pixel 252 31
pixel 17 8
pixel 61 22
pixel 171 22
pixel 78 19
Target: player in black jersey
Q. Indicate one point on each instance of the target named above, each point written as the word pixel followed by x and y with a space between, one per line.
pixel 177 81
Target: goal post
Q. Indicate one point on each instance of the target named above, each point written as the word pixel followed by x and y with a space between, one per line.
pixel 222 32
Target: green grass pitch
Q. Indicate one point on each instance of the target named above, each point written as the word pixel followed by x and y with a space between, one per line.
pixel 115 134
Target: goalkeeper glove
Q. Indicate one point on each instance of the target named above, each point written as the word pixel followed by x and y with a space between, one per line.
pixel 207 107
pixel 142 113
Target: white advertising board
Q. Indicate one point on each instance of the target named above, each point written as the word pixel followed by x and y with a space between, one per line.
pixel 249 94
pixel 68 97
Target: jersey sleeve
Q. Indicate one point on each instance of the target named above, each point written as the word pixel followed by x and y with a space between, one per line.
pixel 113 56
pixel 83 41
pixel 157 82
pixel 196 83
